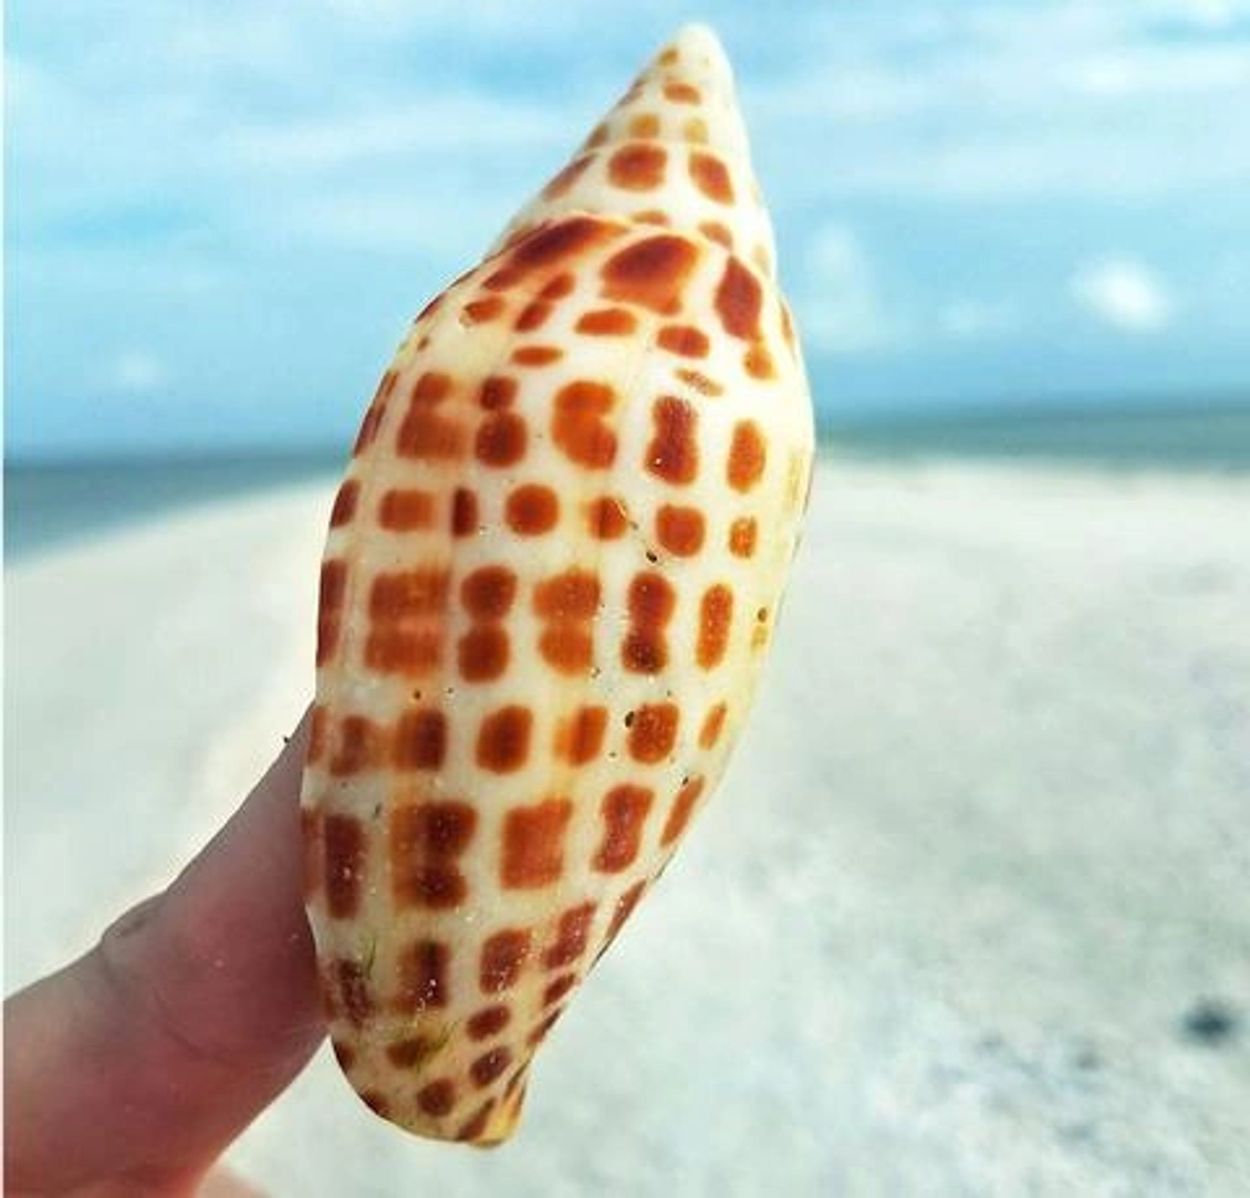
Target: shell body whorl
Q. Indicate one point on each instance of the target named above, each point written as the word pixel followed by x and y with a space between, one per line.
pixel 549 584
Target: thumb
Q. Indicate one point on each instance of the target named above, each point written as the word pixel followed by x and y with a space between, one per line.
pixel 130 1070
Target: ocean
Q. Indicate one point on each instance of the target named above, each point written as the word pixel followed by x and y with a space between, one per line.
pixel 52 504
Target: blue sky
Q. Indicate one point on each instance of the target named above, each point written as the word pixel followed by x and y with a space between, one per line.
pixel 221 216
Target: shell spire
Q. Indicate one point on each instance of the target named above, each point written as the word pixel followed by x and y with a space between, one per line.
pixel 672 152
pixel 550 582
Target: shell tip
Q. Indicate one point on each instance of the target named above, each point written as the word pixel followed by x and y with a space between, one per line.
pixel 697 48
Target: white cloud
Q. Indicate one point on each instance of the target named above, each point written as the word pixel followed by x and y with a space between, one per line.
pixel 134 372
pixel 1122 293
pixel 839 301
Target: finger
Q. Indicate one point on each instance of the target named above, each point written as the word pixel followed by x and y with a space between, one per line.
pixel 141 1061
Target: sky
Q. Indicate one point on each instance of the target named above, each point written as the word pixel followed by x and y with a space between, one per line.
pixel 220 217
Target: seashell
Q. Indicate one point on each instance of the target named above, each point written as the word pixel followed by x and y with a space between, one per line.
pixel 551 577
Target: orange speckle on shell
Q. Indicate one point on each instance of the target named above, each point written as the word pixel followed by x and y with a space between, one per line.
pixel 680 530
pixel 645 124
pixel 673 453
pixel 653 732
pixel 682 93
pixel 501 440
pixel 684 340
pixel 681 811
pixel 713 230
pixel 742 535
pixel 532 509
pixel 738 301
pixel 606 518
pixel 696 380
pixel 537 355
pixel 758 362
pixel 711 177
pixel 579 738
pixel 748 455
pixel 637 167
pixel 651 273
pixel 482 311
pixel 715 617
pixel 578 424
pixel 606 322
pixel 713 724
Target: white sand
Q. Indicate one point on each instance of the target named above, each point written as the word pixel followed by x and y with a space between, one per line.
pixel 984 845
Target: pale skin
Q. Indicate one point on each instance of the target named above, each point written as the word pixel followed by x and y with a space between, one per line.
pixel 129 1071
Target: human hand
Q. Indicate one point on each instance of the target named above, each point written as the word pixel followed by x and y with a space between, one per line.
pixel 130 1070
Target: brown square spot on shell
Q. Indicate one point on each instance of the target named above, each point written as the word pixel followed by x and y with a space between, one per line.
pixel 579 737
pixel 357 746
pixel 532 509
pixel 437 1097
pixel 571 932
pixel 606 322
pixel 623 910
pixel 748 455
pixel 738 301
pixel 680 529
pixel 711 177
pixel 348 993
pixel 742 536
pixel 407 594
pixel 503 741
pixel 490 1065
pixel 345 503
pixel 488 592
pixel 533 844
pixel 425 841
pixel 637 166
pixel 489 1021
pixel 463 512
pixel 345 857
pixel 405 509
pixel 682 809
pixel 606 518
pixel 653 732
pixel 651 272
pixel 332 594
pixel 715 621
pixel 579 425
pixel 423 976
pixel 624 811
pixel 557 988
pixel 684 340
pixel 420 740
pixel 503 956
pixel 673 452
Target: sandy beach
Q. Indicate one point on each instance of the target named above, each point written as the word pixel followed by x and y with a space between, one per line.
pixel 970 914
